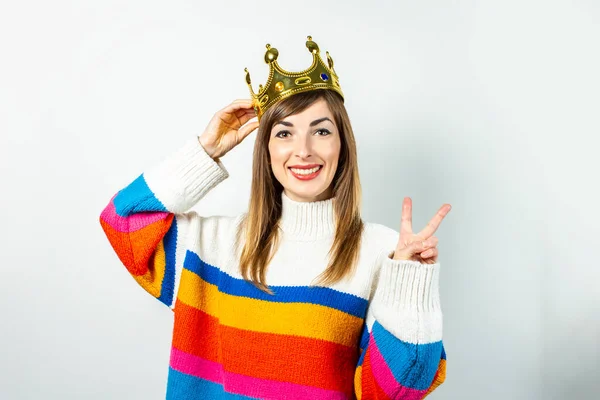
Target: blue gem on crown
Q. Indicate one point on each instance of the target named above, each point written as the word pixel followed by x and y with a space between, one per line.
pixel 324 76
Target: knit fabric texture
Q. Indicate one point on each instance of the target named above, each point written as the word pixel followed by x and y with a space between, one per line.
pixel 376 335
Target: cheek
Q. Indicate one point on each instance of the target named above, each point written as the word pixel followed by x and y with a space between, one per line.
pixel 276 153
pixel 331 153
pixel 279 156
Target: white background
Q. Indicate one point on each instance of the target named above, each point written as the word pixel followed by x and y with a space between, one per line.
pixel 491 106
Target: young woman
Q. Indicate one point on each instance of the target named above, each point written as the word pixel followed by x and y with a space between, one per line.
pixel 297 298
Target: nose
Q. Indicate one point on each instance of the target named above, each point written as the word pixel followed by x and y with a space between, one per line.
pixel 303 146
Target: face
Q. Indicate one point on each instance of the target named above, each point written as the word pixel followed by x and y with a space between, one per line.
pixel 304 150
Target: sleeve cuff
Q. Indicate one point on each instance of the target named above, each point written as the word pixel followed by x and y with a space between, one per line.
pixel 185 176
pixel 407 300
pixel 405 284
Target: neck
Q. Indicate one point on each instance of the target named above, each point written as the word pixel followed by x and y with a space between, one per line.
pixel 307 220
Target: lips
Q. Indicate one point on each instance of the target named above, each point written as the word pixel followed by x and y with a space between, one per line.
pixel 306 177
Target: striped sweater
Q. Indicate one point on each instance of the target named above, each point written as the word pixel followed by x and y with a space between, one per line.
pixel 377 335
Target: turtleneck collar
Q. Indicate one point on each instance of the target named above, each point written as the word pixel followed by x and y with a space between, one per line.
pixel 307 220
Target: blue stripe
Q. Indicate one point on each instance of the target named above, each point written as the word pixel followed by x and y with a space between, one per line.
pixel 137 197
pixel 413 365
pixel 364 342
pixel 346 302
pixel 364 339
pixel 183 387
pixel 168 283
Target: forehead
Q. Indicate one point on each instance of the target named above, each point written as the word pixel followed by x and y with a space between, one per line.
pixel 318 109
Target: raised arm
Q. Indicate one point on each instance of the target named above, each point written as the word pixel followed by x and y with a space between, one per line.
pixel 148 223
pixel 402 354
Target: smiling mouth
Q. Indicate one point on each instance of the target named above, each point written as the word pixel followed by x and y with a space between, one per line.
pixel 304 174
pixel 305 171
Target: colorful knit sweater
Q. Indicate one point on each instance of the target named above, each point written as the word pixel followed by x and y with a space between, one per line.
pixel 377 335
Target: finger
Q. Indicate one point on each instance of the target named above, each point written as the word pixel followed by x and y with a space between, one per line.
pixel 236 118
pixel 237 105
pixel 417 247
pixel 430 253
pixel 245 117
pixel 412 248
pixel 432 242
pixel 247 129
pixel 435 221
pixel 242 100
pixel 406 223
pixel 242 111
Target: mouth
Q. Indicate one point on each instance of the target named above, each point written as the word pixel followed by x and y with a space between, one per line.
pixel 305 174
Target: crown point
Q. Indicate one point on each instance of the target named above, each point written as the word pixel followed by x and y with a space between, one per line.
pixel 271 55
pixel 329 60
pixel 312 46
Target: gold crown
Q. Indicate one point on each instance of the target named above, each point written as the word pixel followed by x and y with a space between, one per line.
pixel 282 84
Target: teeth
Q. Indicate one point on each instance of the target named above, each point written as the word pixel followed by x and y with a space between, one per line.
pixel 305 171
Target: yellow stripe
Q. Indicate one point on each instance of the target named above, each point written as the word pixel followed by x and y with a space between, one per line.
pixel 151 281
pixel 440 378
pixel 358 382
pixel 300 319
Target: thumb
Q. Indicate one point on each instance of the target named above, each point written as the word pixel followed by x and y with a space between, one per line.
pixel 247 129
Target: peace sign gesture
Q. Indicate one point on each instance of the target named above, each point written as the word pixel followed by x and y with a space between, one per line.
pixel 422 246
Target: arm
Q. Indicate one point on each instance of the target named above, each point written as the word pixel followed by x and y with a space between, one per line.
pixel 402 354
pixel 146 222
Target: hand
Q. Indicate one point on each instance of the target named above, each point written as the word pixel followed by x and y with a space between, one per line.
pixel 422 246
pixel 226 129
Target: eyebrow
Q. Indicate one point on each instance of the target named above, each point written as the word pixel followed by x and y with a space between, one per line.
pixel 315 122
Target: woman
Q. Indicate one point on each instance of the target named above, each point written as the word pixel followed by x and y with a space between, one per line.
pixel 297 298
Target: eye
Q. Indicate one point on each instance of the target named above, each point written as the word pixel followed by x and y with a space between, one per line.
pixel 324 130
pixel 280 132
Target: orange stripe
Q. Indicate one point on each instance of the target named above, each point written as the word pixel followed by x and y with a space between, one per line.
pixel 153 278
pixel 145 240
pixel 134 249
pixel 293 359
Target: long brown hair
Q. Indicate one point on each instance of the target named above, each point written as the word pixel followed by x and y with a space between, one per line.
pixel 260 224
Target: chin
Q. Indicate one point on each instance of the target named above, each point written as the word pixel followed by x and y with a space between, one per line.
pixel 305 195
pixel 304 191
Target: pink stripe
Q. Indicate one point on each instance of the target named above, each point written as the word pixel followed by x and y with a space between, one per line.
pixel 386 380
pixel 246 385
pixel 133 222
pixel 196 366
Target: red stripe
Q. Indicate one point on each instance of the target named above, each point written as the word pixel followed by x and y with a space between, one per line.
pixel 196 332
pixel 135 249
pixel 295 359
pixel 370 388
